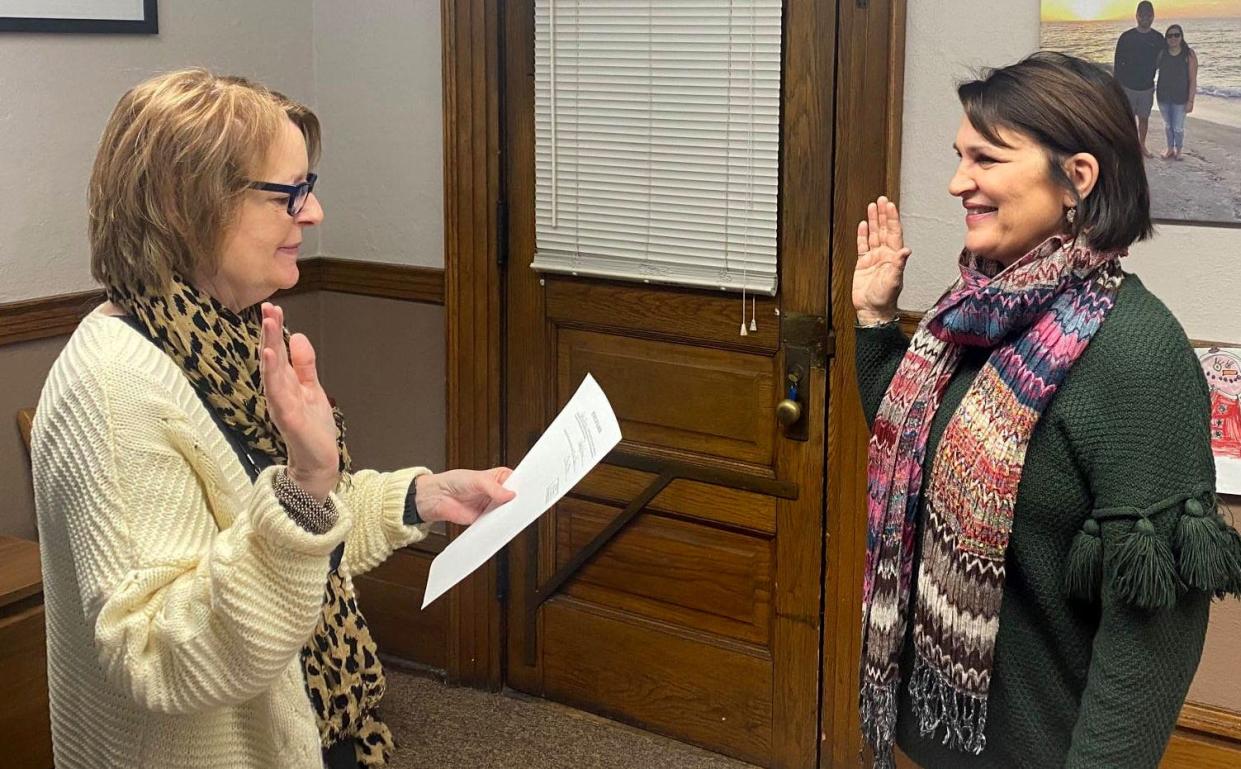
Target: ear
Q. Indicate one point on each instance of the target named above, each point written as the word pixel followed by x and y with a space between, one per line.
pixel 1082 170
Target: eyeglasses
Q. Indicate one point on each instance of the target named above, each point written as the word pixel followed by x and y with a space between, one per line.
pixel 298 193
pixel 1173 34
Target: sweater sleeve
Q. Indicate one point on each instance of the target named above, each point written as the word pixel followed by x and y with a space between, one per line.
pixel 378 503
pixel 879 353
pixel 1151 553
pixel 185 617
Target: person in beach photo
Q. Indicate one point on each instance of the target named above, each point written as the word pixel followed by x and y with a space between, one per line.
pixel 1137 53
pixel 1177 83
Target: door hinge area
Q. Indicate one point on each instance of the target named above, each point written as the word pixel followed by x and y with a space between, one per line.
pixel 811 333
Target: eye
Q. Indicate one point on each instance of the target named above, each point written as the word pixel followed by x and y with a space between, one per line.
pixel 985 160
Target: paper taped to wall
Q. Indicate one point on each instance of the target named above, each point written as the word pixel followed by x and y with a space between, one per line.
pixel 578 438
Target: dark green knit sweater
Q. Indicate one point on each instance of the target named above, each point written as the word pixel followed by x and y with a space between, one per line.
pixel 1080 684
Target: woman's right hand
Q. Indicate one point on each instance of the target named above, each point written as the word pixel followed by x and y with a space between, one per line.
pixel 880 271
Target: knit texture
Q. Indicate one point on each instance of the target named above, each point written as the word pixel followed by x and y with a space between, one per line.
pixel 1035 317
pixel 1080 683
pixel 178 593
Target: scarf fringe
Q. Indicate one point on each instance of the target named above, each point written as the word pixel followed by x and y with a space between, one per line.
pixel 937 703
pixel 878 711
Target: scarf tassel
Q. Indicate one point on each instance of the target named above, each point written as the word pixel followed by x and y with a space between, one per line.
pixel 1143 570
pixel 936 703
pixel 878 715
pixel 1232 548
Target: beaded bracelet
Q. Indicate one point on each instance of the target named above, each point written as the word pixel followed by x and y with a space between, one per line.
pixel 306 511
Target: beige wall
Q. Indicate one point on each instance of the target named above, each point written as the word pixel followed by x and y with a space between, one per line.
pixel 377 68
pixel 1193 269
pixel 56 92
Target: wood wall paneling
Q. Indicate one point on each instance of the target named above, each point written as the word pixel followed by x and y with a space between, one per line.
pixel 59 315
pixel 473 311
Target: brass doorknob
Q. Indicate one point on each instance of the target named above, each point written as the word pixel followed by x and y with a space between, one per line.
pixel 788 411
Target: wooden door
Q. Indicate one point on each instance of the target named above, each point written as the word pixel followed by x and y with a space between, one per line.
pixel 679 586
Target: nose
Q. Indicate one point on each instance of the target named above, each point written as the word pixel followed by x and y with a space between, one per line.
pixel 960 184
pixel 311 213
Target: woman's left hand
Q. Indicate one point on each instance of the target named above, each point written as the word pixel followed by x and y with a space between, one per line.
pixel 298 406
pixel 460 496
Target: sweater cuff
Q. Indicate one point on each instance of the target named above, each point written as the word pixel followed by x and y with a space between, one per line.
pixel 397 490
pixel 273 522
pixel 411 517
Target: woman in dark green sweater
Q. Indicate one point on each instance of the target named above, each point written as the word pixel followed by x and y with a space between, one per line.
pixel 1043 537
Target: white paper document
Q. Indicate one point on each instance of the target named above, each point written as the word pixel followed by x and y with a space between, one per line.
pixel 581 435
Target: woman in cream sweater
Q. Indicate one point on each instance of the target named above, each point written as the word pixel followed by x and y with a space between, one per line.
pixel 199 521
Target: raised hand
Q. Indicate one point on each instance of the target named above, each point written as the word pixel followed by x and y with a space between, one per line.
pixel 880 272
pixel 298 406
pixel 460 496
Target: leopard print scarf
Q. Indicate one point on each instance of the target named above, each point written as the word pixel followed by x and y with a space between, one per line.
pixel 218 350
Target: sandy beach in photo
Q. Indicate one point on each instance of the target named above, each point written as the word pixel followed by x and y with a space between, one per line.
pixel 1206 184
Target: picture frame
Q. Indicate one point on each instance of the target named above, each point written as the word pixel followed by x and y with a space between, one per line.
pixel 1192 132
pixel 134 17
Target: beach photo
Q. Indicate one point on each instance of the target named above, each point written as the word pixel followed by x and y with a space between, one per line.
pixel 1179 62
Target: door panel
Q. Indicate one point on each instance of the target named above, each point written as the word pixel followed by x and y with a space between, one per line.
pixel 660 677
pixel 702 578
pixel 718 402
pixel 700 501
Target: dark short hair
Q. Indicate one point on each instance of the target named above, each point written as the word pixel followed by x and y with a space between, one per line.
pixel 1068 105
pixel 1145 5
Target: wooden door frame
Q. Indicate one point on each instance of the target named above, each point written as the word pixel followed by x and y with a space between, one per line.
pixel 867 75
pixel 869 93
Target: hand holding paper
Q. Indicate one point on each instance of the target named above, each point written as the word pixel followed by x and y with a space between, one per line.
pixel 580 436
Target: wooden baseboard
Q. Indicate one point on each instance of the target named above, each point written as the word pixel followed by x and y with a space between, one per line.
pixel 53 316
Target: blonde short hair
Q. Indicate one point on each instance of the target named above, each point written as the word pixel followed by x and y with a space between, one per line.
pixel 175 159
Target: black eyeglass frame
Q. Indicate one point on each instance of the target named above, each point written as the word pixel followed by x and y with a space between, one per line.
pixel 294 191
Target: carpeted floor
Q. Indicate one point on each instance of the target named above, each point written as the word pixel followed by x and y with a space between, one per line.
pixel 448 727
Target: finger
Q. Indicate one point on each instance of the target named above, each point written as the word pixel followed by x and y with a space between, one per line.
pixel 862 231
pixel 872 223
pixel 896 236
pixel 302 358
pixel 881 207
pixel 273 340
pixel 496 492
pixel 501 474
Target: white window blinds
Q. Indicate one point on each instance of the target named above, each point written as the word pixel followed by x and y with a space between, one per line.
pixel 657 134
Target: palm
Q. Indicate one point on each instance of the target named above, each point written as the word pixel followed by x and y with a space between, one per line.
pixel 879 274
pixel 296 402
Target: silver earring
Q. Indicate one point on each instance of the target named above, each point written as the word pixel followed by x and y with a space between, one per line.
pixel 1071 214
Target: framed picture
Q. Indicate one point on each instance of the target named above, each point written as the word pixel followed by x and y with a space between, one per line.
pixel 1179 62
pixel 115 16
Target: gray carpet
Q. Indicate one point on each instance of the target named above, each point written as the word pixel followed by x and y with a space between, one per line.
pixel 448 727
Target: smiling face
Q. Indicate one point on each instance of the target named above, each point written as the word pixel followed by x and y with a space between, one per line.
pixel 260 247
pixel 1223 372
pixel 1011 203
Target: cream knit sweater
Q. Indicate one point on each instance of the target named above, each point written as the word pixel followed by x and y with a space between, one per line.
pixel 178 594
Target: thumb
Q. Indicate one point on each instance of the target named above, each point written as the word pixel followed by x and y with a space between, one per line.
pixel 497 492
